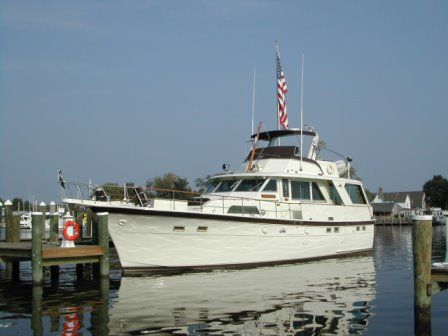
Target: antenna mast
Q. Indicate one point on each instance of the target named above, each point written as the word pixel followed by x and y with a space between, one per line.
pixel 301 114
pixel 253 101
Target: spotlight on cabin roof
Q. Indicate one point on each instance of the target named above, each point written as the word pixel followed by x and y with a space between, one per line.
pixel 226 168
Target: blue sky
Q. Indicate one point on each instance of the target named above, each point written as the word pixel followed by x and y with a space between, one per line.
pixel 118 91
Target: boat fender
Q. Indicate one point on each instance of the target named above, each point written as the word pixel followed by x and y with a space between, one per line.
pixel 330 169
pixel 71 230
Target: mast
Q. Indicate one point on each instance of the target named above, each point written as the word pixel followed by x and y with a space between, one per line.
pixel 277 53
pixel 301 114
pixel 253 102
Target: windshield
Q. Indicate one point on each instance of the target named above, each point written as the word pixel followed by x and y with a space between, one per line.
pixel 211 185
pixel 226 185
pixel 250 185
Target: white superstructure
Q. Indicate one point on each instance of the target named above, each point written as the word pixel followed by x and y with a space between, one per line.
pixel 284 207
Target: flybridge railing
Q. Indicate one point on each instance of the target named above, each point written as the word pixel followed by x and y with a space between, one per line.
pixel 207 203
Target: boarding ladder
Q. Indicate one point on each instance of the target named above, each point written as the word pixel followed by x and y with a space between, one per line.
pixel 141 196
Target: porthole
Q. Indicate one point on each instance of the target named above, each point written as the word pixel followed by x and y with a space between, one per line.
pixel 179 228
pixel 336 230
pixel 328 230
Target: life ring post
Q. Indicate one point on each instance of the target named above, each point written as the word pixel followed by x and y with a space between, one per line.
pixel 70 233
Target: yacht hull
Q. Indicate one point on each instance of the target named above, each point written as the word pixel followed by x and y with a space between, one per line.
pixel 158 240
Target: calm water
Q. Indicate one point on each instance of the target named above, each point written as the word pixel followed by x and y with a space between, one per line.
pixel 369 295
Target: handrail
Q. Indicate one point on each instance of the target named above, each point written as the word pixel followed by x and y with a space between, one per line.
pixel 263 204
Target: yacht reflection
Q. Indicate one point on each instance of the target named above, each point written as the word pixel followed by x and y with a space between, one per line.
pixel 330 296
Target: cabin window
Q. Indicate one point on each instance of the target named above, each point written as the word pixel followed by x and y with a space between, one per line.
pixel 271 186
pixel 355 193
pixel 285 187
pixel 334 194
pixel 211 185
pixel 300 190
pixel 317 194
pixel 244 210
pixel 250 185
pixel 226 185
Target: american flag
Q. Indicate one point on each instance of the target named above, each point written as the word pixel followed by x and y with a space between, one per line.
pixel 282 89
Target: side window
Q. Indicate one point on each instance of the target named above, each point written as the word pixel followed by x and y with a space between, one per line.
pixel 355 193
pixel 334 195
pixel 300 190
pixel 271 186
pixel 317 194
pixel 285 187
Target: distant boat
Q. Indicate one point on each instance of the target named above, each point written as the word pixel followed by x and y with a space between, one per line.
pixel 25 220
pixel 441 218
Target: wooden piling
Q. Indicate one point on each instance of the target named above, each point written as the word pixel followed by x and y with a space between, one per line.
pixel 103 241
pixel 54 227
pixel 12 230
pixel 43 209
pixel 54 239
pixel 36 249
pixel 422 253
pixel 8 220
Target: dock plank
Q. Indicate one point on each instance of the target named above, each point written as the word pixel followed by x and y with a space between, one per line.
pixel 50 252
pixel 439 274
pixel 22 250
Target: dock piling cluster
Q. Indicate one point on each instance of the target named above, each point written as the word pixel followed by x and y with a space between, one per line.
pixel 42 253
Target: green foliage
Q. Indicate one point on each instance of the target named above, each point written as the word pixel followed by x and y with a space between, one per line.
pixel 114 191
pixel 168 186
pixel 370 195
pixel 19 204
pixel 436 191
pixel 201 183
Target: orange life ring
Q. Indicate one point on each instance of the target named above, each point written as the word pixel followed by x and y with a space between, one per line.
pixel 71 234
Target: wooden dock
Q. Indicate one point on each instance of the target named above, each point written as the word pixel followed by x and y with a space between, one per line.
pixel 43 253
pixel 51 255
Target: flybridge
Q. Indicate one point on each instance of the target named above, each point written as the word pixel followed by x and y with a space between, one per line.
pixel 274 134
pixel 273 137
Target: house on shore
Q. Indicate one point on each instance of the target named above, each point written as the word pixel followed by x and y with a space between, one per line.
pixel 397 206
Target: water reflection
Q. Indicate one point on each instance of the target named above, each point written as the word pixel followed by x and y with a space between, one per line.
pixel 82 306
pixel 325 297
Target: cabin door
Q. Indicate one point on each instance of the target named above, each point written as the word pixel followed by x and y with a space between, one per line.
pixel 285 189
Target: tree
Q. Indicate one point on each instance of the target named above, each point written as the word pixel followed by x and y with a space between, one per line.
pixel 170 185
pixel 114 191
pixel 436 191
pixel 201 183
pixel 370 195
